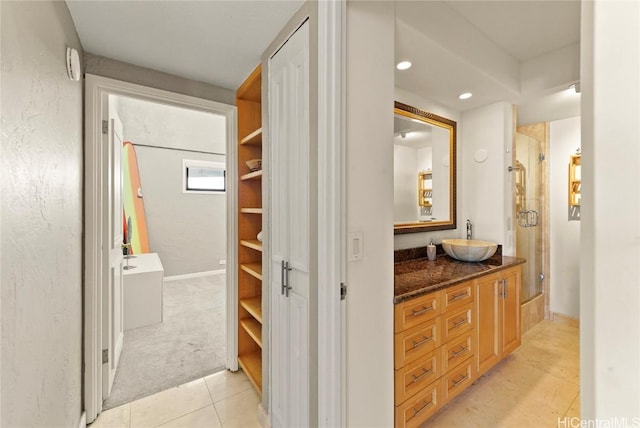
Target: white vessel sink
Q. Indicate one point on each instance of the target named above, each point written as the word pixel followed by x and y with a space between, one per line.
pixel 469 250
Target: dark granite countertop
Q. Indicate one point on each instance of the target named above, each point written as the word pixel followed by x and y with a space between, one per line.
pixel 415 275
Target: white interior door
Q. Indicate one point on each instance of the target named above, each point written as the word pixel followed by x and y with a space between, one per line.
pixel 113 322
pixel 290 252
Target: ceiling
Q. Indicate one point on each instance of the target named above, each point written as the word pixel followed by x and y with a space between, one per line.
pixel 217 42
pixel 480 46
pixel 455 46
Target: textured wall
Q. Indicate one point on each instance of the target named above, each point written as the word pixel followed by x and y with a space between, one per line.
pixel 41 230
pixel 187 230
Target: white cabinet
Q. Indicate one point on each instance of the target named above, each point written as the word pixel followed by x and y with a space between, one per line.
pixel 143 287
pixel 291 199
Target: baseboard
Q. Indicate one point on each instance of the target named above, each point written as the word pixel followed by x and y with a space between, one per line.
pixel 194 275
pixel 565 319
pixel 83 420
pixel 263 418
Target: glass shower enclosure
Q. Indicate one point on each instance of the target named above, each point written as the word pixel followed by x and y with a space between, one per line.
pixel 529 205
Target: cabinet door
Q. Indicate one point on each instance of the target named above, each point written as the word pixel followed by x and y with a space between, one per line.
pixel 290 193
pixel 510 302
pixel 488 322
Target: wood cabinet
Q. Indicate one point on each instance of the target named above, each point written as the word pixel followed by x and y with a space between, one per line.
pixel 498 316
pixel 446 339
pixel 434 349
pixel 248 101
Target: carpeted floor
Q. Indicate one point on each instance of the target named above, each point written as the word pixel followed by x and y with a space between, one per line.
pixel 190 343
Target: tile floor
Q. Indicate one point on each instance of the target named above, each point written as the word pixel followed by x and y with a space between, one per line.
pixel 221 400
pixel 536 386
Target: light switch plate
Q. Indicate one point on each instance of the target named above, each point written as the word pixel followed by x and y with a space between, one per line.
pixel 356 246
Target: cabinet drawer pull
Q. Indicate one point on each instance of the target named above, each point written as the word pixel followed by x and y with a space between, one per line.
pixel 424 406
pixel 421 375
pixel 458 296
pixel 458 323
pixel 459 380
pixel 421 311
pixel 455 354
pixel 424 340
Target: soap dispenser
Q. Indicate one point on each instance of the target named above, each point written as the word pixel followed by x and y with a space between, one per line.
pixel 431 251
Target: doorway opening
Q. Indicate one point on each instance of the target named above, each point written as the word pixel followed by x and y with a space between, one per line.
pixel 173 170
pixel 159 303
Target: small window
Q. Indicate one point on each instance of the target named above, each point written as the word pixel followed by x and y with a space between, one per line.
pixel 204 177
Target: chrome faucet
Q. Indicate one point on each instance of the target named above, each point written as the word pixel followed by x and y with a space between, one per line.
pixel 469 229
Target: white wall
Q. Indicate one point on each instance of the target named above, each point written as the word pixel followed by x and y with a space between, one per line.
pixel 41 224
pixel 486 188
pixel 610 230
pixel 405 201
pixel 369 165
pixel 188 231
pixel 564 139
pixel 411 240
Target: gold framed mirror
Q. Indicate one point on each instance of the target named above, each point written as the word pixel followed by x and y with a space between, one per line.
pixel 424 171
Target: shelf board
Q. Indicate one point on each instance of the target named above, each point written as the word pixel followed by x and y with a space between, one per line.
pixel 251 210
pixel 253 269
pixel 253 305
pixel 254 138
pixel 252 175
pixel 253 328
pixel 254 244
pixel 251 364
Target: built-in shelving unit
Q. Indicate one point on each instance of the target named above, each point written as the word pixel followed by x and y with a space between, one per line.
pixel 575 178
pixel 249 103
pixel 425 191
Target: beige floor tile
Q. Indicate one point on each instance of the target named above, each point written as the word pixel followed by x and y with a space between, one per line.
pixel 511 395
pixel 557 356
pixel 240 410
pixel 225 384
pixel 118 417
pixel 574 410
pixel 170 404
pixel 203 418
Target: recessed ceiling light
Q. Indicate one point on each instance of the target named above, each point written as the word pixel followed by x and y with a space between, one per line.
pixel 403 65
pixel 465 96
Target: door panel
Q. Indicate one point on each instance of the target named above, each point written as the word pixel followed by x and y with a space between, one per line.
pixel 511 312
pixel 113 214
pixel 487 324
pixel 290 201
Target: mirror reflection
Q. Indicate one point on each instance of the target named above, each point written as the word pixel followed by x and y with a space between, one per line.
pixel 424 170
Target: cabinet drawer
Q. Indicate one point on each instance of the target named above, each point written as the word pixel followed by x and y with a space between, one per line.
pixel 454 323
pixel 419 408
pixel 457 380
pixel 416 342
pixel 415 311
pixel 457 296
pixel 456 351
pixel 413 377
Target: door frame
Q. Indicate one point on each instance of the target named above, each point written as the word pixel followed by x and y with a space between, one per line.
pixel 97 91
pixel 331 213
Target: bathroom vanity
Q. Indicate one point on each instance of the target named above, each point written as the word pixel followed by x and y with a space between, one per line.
pixel 453 321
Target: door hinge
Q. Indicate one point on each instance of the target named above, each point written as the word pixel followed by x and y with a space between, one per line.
pixel 343 291
pixel 105 127
pixel 541 157
pixel 105 356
